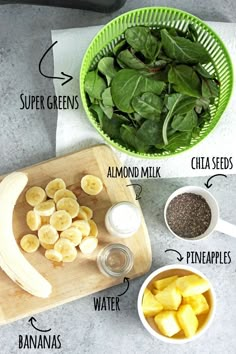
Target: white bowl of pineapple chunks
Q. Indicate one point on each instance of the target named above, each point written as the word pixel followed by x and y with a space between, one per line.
pixel 176 304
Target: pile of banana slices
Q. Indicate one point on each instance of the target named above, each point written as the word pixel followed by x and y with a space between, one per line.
pixel 59 222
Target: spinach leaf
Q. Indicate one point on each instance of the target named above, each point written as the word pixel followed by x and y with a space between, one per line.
pixel 94 85
pixel 141 40
pixel 203 72
pixel 93 100
pixel 157 65
pixel 196 131
pixel 129 83
pixel 107 97
pixel 162 56
pixel 154 86
pixel 184 104
pixel 178 140
pixel 202 103
pixel 150 132
pixel 108 110
pixel 132 119
pixel 185 80
pixel 183 50
pixel 95 108
pixel 206 116
pixel 128 59
pixel 156 33
pixel 209 88
pixel 119 46
pixel 203 118
pixel 161 75
pixel 172 102
pixel 106 66
pixel 112 126
pixel 120 117
pixel 148 105
pixel 192 33
pixel 185 123
pixel 137 117
pixel 177 104
pixel 128 135
pixel 173 32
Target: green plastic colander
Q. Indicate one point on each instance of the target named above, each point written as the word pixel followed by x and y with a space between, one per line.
pixel 156 17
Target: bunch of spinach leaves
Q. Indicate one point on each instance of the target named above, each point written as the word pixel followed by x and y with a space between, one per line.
pixel 152 92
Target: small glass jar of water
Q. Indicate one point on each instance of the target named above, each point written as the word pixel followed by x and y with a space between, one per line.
pixel 115 260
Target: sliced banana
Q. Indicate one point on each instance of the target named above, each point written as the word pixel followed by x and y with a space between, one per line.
pixel 73 234
pixel 82 215
pixel 87 211
pixel 67 249
pixel 29 243
pixel 91 185
pixel 83 226
pixel 63 193
pixel 35 196
pixel 61 220
pixel 47 246
pixel 88 244
pixel 48 234
pixel 70 205
pixel 70 257
pixel 53 186
pixel 53 255
pixel 46 208
pixel 93 228
pixel 33 220
pixel 45 220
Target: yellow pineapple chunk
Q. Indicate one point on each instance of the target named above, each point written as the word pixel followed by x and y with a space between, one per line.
pixel 170 298
pixel 188 320
pixel 167 323
pixel 155 291
pixel 198 303
pixel 150 305
pixel 163 283
pixel 190 285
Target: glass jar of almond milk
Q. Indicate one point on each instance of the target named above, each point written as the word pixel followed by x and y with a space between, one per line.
pixel 123 219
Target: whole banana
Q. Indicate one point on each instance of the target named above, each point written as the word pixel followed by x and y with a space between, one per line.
pixel 12 260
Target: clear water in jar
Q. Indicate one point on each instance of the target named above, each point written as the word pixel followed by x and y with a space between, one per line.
pixel 115 260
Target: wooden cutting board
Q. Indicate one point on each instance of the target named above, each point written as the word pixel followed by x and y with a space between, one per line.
pixel 71 281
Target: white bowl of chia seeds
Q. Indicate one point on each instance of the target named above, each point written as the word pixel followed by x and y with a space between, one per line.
pixel 192 213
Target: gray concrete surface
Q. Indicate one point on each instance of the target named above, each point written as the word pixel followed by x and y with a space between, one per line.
pixel 28 137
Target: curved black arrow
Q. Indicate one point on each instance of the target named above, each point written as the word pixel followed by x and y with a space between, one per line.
pixel 137 192
pixel 180 258
pixel 125 280
pixel 31 320
pixel 209 185
pixel 67 78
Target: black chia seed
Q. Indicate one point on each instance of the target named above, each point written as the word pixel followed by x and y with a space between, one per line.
pixel 188 215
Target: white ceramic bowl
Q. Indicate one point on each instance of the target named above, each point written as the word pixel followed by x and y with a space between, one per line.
pixel 176 269
pixel 216 224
